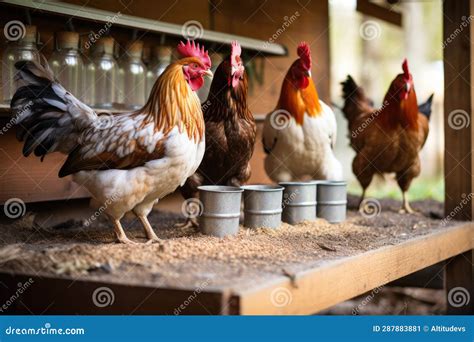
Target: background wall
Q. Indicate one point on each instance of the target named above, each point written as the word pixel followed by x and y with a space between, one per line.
pixel 256 19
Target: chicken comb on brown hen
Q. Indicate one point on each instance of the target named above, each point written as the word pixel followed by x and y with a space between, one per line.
pixel 388 139
pixel 230 130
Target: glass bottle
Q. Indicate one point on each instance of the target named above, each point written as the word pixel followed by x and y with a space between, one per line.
pixel 23 49
pixel 101 74
pixel 67 64
pixel 132 77
pixel 160 60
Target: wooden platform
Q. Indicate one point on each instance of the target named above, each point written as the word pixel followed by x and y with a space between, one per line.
pixel 304 292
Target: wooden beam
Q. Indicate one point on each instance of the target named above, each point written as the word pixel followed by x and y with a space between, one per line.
pixel 460 284
pixel 322 287
pixel 458 108
pixel 380 12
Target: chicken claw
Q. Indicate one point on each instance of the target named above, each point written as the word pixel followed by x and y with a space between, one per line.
pixel 190 222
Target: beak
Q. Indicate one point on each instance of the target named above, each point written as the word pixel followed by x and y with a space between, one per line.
pixel 308 73
pixel 208 73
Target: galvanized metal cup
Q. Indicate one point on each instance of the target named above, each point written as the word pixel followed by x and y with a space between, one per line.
pixel 262 206
pixel 299 202
pixel 221 212
pixel 332 200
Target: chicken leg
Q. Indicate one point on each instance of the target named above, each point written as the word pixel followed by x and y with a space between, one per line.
pixel 362 197
pixel 150 233
pixel 121 236
pixel 406 208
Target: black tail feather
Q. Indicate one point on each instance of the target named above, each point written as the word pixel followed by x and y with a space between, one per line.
pixel 425 108
pixel 33 105
pixel 349 87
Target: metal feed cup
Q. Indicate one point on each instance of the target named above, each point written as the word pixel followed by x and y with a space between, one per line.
pixel 299 202
pixel 221 212
pixel 332 201
pixel 262 206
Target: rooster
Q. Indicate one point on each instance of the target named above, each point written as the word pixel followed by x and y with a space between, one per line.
pixel 388 139
pixel 300 134
pixel 127 161
pixel 230 130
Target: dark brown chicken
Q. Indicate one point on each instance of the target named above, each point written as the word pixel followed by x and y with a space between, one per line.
pixel 230 130
pixel 388 139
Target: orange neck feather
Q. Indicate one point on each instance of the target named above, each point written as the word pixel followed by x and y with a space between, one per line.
pixel 173 103
pixel 299 101
pixel 400 112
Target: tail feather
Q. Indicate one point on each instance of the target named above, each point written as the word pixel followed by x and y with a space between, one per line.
pixel 349 87
pixel 48 118
pixel 425 108
pixel 355 101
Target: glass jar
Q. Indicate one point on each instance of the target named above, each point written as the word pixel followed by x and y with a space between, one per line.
pixel 67 64
pixel 160 60
pixel 24 49
pixel 101 74
pixel 131 90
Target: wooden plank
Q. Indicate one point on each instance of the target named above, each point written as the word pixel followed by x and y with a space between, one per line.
pixel 458 108
pixel 337 281
pixel 57 296
pixel 380 12
pixel 460 284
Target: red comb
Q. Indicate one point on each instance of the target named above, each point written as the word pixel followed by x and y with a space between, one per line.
pixel 194 50
pixel 235 50
pixel 304 52
pixel 405 68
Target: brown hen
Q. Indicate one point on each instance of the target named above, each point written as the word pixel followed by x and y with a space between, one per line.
pixel 389 139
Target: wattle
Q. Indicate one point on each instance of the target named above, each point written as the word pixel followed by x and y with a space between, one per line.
pixel 196 83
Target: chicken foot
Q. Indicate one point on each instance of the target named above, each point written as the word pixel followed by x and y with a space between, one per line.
pixel 190 222
pixel 406 208
pixel 150 233
pixel 121 236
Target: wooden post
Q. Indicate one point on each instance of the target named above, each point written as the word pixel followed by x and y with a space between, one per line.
pixel 460 284
pixel 458 103
pixel 458 33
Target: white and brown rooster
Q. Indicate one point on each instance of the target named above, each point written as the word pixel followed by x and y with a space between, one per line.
pixel 300 134
pixel 128 161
